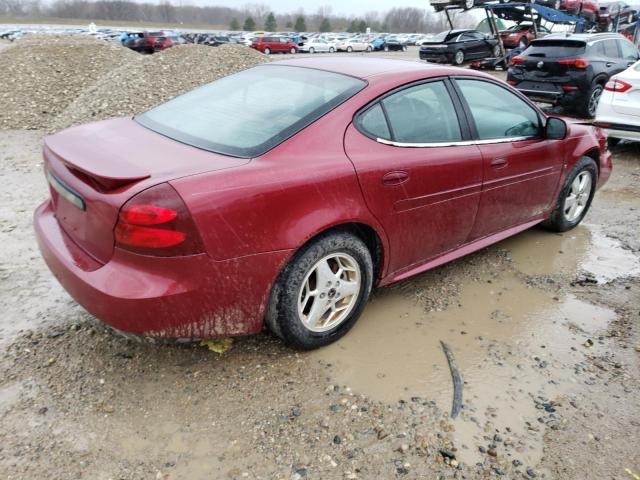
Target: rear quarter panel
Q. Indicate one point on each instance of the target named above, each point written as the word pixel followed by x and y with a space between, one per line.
pixel 282 199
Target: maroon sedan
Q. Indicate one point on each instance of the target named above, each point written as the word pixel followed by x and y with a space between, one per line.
pixel 520 36
pixel 284 193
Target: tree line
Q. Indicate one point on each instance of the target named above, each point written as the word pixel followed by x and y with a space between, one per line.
pixel 250 17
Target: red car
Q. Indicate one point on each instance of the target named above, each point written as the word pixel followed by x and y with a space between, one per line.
pixel 519 36
pixel 269 45
pixel 284 193
pixel 585 8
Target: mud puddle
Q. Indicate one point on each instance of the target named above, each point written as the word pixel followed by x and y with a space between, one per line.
pixel 518 347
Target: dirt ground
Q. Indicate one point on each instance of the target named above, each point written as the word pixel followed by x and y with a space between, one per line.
pixel 544 327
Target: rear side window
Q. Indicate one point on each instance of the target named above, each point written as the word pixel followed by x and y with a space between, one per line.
pixel 610 49
pixel 497 112
pixel 419 114
pixel 374 123
pixel 422 114
pixel 555 49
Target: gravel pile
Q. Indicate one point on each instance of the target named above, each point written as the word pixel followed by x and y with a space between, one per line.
pixel 147 80
pixel 42 74
pixel 53 82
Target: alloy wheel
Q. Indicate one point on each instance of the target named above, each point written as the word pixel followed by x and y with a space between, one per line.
pixel 329 292
pixel 459 58
pixel 593 100
pixel 578 196
pixel 267 51
pixel 312 50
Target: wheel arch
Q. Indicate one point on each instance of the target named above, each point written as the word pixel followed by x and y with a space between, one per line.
pixel 371 236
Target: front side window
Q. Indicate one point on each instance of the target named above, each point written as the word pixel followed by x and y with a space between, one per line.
pixel 497 112
pixel 610 49
pixel 249 113
pixel 628 49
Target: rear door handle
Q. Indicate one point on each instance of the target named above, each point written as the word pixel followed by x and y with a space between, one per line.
pixel 499 162
pixel 608 64
pixel 395 178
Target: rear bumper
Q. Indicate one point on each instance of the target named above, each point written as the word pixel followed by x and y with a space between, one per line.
pixel 177 297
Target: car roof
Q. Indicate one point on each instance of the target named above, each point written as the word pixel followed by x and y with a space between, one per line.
pixel 585 37
pixel 365 68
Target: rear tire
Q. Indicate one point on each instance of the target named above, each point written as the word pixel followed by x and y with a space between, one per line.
pixel 458 58
pixel 369 49
pixel 293 50
pixel 267 51
pixel 331 49
pixel 312 50
pixel 292 305
pixel 562 218
pixel 349 49
pixel 588 107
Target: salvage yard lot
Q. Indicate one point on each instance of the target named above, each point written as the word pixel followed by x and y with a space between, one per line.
pixel 544 328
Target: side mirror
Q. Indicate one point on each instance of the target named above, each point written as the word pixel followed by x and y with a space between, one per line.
pixel 555 129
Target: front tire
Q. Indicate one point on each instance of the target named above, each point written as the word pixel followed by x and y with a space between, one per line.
pixel 369 49
pixel 293 50
pixel 322 292
pixel 312 50
pixel 331 49
pixel 575 197
pixel 267 51
pixel 349 49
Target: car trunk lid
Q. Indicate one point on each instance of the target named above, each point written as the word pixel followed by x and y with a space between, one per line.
pixel 95 168
pixel 549 60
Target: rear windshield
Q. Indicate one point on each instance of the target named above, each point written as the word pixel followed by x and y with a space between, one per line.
pixel 555 48
pixel 249 113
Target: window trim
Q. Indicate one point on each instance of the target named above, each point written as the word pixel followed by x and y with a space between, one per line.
pixel 472 124
pixel 463 123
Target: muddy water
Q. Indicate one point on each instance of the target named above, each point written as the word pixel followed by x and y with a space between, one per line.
pixel 508 339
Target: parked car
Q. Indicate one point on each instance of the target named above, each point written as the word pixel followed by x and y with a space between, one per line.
pixel 216 40
pixel 618 109
pixel 555 4
pixel 457 46
pixel 268 45
pixel 585 8
pixel 440 5
pixel 300 186
pixel 393 44
pixel 353 45
pixel 520 35
pixel 608 15
pixel 627 13
pixel 142 42
pixel 571 70
pixel 314 45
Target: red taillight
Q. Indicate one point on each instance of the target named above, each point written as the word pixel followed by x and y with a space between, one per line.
pixel 575 62
pixel 511 82
pixel 147 214
pixel 518 59
pixel 145 237
pixel 617 86
pixel 569 88
pixel 157 222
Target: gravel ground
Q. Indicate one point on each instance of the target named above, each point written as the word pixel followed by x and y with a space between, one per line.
pixel 544 327
pixel 53 82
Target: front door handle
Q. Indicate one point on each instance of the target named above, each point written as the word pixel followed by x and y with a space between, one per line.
pixel 609 64
pixel 499 162
pixel 395 178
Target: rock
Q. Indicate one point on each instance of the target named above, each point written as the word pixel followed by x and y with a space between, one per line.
pixel 337 440
pixel 532 473
pixel 492 452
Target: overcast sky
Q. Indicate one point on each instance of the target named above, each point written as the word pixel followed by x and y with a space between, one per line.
pixel 348 7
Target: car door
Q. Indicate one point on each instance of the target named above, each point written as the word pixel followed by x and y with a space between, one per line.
pixel 521 168
pixel 474 47
pixel 420 175
pixel 613 61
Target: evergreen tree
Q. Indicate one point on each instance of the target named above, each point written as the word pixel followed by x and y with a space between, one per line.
pixel 353 26
pixel 300 25
pixel 289 25
pixel 270 24
pixel 362 26
pixel 235 26
pixel 249 25
pixel 325 25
